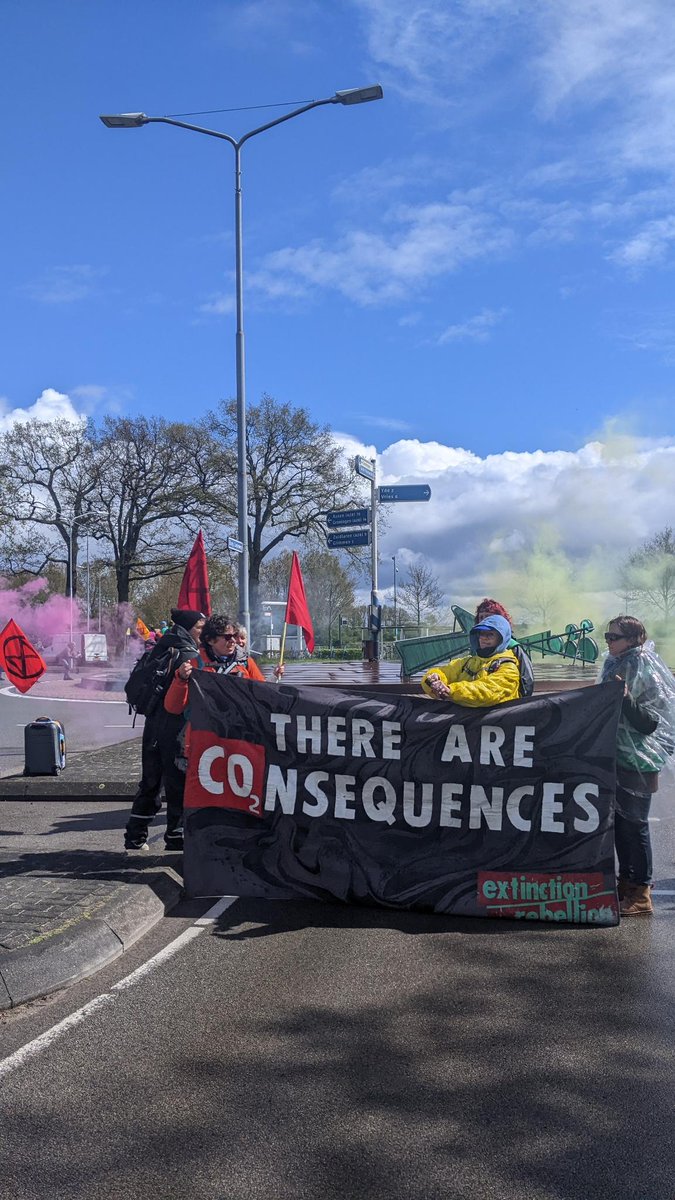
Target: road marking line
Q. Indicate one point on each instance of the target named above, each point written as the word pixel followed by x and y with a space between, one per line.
pixel 212 915
pixel 44 1040
pixel 661 892
pixel 12 692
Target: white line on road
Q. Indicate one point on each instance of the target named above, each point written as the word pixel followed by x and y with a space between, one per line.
pixel 11 691
pixel 46 1039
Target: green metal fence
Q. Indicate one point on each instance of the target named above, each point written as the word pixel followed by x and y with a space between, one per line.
pixel 419 654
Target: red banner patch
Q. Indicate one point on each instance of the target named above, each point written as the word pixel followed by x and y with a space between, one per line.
pixel 224 773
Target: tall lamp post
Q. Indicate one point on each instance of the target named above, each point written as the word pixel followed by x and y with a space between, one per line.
pixel 134 120
pixel 393 559
pixel 71 525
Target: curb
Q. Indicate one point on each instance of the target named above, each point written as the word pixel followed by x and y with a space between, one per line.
pixel 39 788
pixel 90 942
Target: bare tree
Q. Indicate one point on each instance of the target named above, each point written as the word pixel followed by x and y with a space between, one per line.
pixel 649 574
pixel 296 472
pixel 145 485
pixel 421 593
pixel 48 488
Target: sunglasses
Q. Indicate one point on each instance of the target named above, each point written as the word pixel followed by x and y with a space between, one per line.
pixel 615 637
pixel 230 637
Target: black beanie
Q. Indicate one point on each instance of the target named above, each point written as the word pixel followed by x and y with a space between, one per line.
pixel 186 617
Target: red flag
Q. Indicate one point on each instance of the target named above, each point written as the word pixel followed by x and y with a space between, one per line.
pixel 297 612
pixel 20 661
pixel 194 590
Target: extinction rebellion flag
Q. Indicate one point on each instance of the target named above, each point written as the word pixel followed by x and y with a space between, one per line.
pixel 403 801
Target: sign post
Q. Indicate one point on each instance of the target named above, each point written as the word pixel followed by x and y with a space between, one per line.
pixel 341 519
pixel 367 468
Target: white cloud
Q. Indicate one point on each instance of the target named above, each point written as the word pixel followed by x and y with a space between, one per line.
pixel 220 304
pixel 474 329
pixel 65 285
pixel 49 406
pixel 426 48
pixel 648 246
pixel 375 268
pixel 480 504
pixel 268 21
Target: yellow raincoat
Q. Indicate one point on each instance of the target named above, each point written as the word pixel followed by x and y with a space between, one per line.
pixel 472 682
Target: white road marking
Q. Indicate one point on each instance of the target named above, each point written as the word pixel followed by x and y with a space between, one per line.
pixel 11 691
pixel 24 1053
pixel 661 892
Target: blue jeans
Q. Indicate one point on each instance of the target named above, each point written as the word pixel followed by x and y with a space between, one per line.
pixel 631 836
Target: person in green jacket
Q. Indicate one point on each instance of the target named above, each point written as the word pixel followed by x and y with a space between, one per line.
pixel 489 675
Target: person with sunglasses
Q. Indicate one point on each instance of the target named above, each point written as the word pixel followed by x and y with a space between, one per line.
pixel 645 741
pixel 218 652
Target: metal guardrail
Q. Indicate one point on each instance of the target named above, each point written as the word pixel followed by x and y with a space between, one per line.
pixel 419 654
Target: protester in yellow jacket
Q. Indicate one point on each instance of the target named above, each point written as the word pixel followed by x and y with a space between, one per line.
pixel 489 675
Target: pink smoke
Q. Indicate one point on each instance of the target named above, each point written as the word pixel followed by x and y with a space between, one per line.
pixel 39 614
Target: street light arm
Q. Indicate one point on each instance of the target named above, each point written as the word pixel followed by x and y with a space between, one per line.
pixel 280 120
pixel 354 96
pixel 195 128
pixel 251 133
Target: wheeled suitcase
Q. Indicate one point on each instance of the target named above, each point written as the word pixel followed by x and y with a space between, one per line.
pixel 44 743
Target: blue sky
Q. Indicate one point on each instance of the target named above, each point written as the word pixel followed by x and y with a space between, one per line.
pixel 472 276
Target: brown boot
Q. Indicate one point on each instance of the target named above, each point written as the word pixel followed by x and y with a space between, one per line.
pixel 638 902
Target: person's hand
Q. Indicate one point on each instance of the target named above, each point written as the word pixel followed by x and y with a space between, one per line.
pixel 625 685
pixel 279 670
pixel 438 687
pixel 184 671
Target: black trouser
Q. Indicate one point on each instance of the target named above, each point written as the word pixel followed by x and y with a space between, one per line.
pixel 631 836
pixel 158 755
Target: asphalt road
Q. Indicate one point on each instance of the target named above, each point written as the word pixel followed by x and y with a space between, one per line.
pixel 89 723
pixel 306 1050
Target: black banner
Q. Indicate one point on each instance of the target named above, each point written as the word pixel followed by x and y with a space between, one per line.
pixel 403 801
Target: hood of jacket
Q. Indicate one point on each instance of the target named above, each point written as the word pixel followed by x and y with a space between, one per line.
pixel 178 639
pixel 495 622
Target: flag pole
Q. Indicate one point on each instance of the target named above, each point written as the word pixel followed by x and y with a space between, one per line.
pixel 283 635
pixel 283 646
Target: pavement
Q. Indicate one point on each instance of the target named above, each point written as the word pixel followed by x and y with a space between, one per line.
pixel 71 899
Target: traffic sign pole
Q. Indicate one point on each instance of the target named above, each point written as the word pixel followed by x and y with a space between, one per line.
pixel 374 598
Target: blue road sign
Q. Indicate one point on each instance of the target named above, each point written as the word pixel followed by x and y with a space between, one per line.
pixel 235 545
pixel 406 491
pixel 365 467
pixel 348 537
pixel 354 516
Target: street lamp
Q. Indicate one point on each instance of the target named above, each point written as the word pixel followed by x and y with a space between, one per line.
pixel 393 559
pixel 135 120
pixel 71 525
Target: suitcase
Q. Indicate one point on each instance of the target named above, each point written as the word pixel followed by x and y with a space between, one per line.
pixel 44 747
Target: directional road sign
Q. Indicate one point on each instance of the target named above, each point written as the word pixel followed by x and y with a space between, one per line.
pixel 353 516
pixel 364 466
pixel 235 545
pixel 348 537
pixel 411 491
